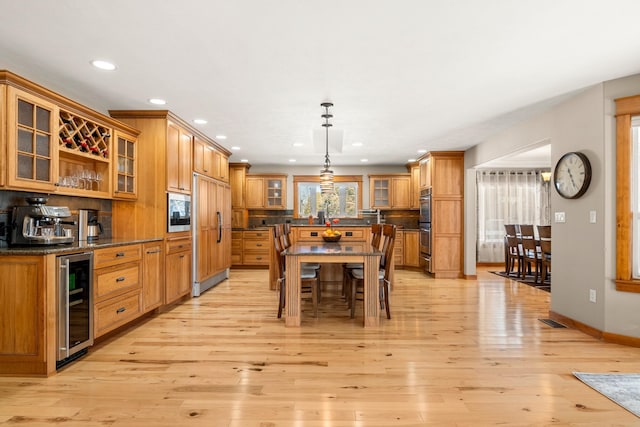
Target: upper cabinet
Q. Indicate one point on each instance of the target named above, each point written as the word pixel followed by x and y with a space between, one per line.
pixel 53 145
pixel 208 161
pixel 179 166
pixel 31 142
pixel 392 191
pixel 125 164
pixel 443 172
pixel 266 191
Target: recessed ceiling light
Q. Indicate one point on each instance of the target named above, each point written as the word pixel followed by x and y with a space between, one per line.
pixel 221 136
pixel 357 144
pixel 292 160
pixel 298 144
pixel 157 101
pixel 411 160
pixel 422 151
pixel 235 147
pixel 200 121
pixel 244 160
pixel 103 65
pixel 364 160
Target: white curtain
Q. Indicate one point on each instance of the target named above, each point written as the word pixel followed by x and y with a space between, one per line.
pixel 508 197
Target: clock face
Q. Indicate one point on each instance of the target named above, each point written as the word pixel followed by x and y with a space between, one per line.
pixel 572 175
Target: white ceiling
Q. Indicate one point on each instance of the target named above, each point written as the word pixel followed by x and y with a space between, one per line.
pixel 404 75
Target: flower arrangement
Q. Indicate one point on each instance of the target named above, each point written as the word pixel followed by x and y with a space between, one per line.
pixel 331 235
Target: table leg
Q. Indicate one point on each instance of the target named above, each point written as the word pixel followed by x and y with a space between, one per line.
pixel 292 301
pixel 371 295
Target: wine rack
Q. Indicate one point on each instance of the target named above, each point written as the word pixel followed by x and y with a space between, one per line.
pixel 80 135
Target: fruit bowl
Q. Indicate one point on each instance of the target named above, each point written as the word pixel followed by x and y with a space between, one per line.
pixel 333 238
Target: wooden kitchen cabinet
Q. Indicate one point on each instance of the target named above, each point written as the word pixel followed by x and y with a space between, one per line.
pixel 445 178
pixel 236 248
pixel 414 171
pixel 390 191
pixel 32 162
pixel 266 191
pixel 177 268
pixel 152 275
pixel 117 285
pixel 179 158
pixel 55 145
pixel 411 248
pixel 237 182
pixel 28 315
pixel 125 185
pixel 255 248
pixel 208 161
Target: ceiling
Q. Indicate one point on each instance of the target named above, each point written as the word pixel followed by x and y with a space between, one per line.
pixel 404 76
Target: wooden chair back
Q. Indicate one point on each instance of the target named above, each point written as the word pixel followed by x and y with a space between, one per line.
pixel 526 231
pixel 544 232
pixel 389 235
pixel 510 229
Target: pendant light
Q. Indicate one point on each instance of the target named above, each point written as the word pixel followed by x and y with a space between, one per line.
pixel 326 174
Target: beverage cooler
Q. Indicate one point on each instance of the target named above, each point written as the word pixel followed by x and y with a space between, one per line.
pixel 75 306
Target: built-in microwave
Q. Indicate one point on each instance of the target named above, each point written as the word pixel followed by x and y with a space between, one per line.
pixel 178 212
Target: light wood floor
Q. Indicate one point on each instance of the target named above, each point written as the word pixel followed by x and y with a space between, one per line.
pixel 455 353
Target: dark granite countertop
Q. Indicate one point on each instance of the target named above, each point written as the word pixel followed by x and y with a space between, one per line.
pixel 72 247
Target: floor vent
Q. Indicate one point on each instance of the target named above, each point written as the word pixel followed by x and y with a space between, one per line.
pixel 552 323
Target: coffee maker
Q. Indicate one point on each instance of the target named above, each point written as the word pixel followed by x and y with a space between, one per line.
pixel 89 228
pixel 38 224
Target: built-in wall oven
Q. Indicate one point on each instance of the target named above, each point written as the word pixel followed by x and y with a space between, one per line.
pixel 425 229
pixel 178 212
pixel 75 306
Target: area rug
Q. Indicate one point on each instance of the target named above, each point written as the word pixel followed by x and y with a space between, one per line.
pixel 624 389
pixel 528 280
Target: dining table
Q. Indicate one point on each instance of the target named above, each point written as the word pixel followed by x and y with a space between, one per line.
pixel 332 252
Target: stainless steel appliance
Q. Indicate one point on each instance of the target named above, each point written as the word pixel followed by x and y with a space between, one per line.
pixel 89 228
pixel 425 229
pixel 178 212
pixel 75 306
pixel 39 224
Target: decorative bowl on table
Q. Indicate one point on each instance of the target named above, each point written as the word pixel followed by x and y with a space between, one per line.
pixel 331 238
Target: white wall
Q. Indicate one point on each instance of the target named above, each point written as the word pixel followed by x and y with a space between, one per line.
pixel 583 253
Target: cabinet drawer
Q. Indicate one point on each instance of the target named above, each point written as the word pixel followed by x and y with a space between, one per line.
pixel 256 235
pixel 178 245
pixel 249 245
pixel 113 281
pixel 117 255
pixel 116 312
pixel 255 258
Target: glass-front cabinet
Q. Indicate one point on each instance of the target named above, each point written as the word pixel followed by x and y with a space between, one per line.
pixel 32 157
pixel 125 167
pixel 57 146
pixel 275 197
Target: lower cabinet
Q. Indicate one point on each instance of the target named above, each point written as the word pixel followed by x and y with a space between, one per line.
pixel 411 248
pixel 255 248
pixel 117 286
pixel 236 247
pixel 152 275
pixel 177 269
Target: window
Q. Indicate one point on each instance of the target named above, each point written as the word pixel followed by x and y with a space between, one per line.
pixel 344 202
pixel 628 194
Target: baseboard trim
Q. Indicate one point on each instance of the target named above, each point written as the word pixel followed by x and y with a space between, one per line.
pixel 594 332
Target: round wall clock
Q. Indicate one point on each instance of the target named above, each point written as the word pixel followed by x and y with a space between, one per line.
pixel 572 175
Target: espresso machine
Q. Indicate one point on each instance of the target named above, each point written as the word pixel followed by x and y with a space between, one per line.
pixel 89 228
pixel 39 224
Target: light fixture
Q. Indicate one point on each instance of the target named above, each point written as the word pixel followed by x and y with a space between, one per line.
pixel 221 136
pixel 326 174
pixel 103 65
pixel 546 176
pixel 200 121
pixel 157 101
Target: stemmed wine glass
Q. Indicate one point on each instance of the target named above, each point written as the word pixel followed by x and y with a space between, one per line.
pixel 98 178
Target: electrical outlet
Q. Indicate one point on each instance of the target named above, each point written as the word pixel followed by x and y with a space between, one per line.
pixel 592 295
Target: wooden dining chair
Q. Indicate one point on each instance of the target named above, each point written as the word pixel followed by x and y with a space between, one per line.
pixel 376 235
pixel 545 258
pixel 531 257
pixel 544 232
pixel 309 278
pixel 510 229
pixel 514 256
pixel 384 273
